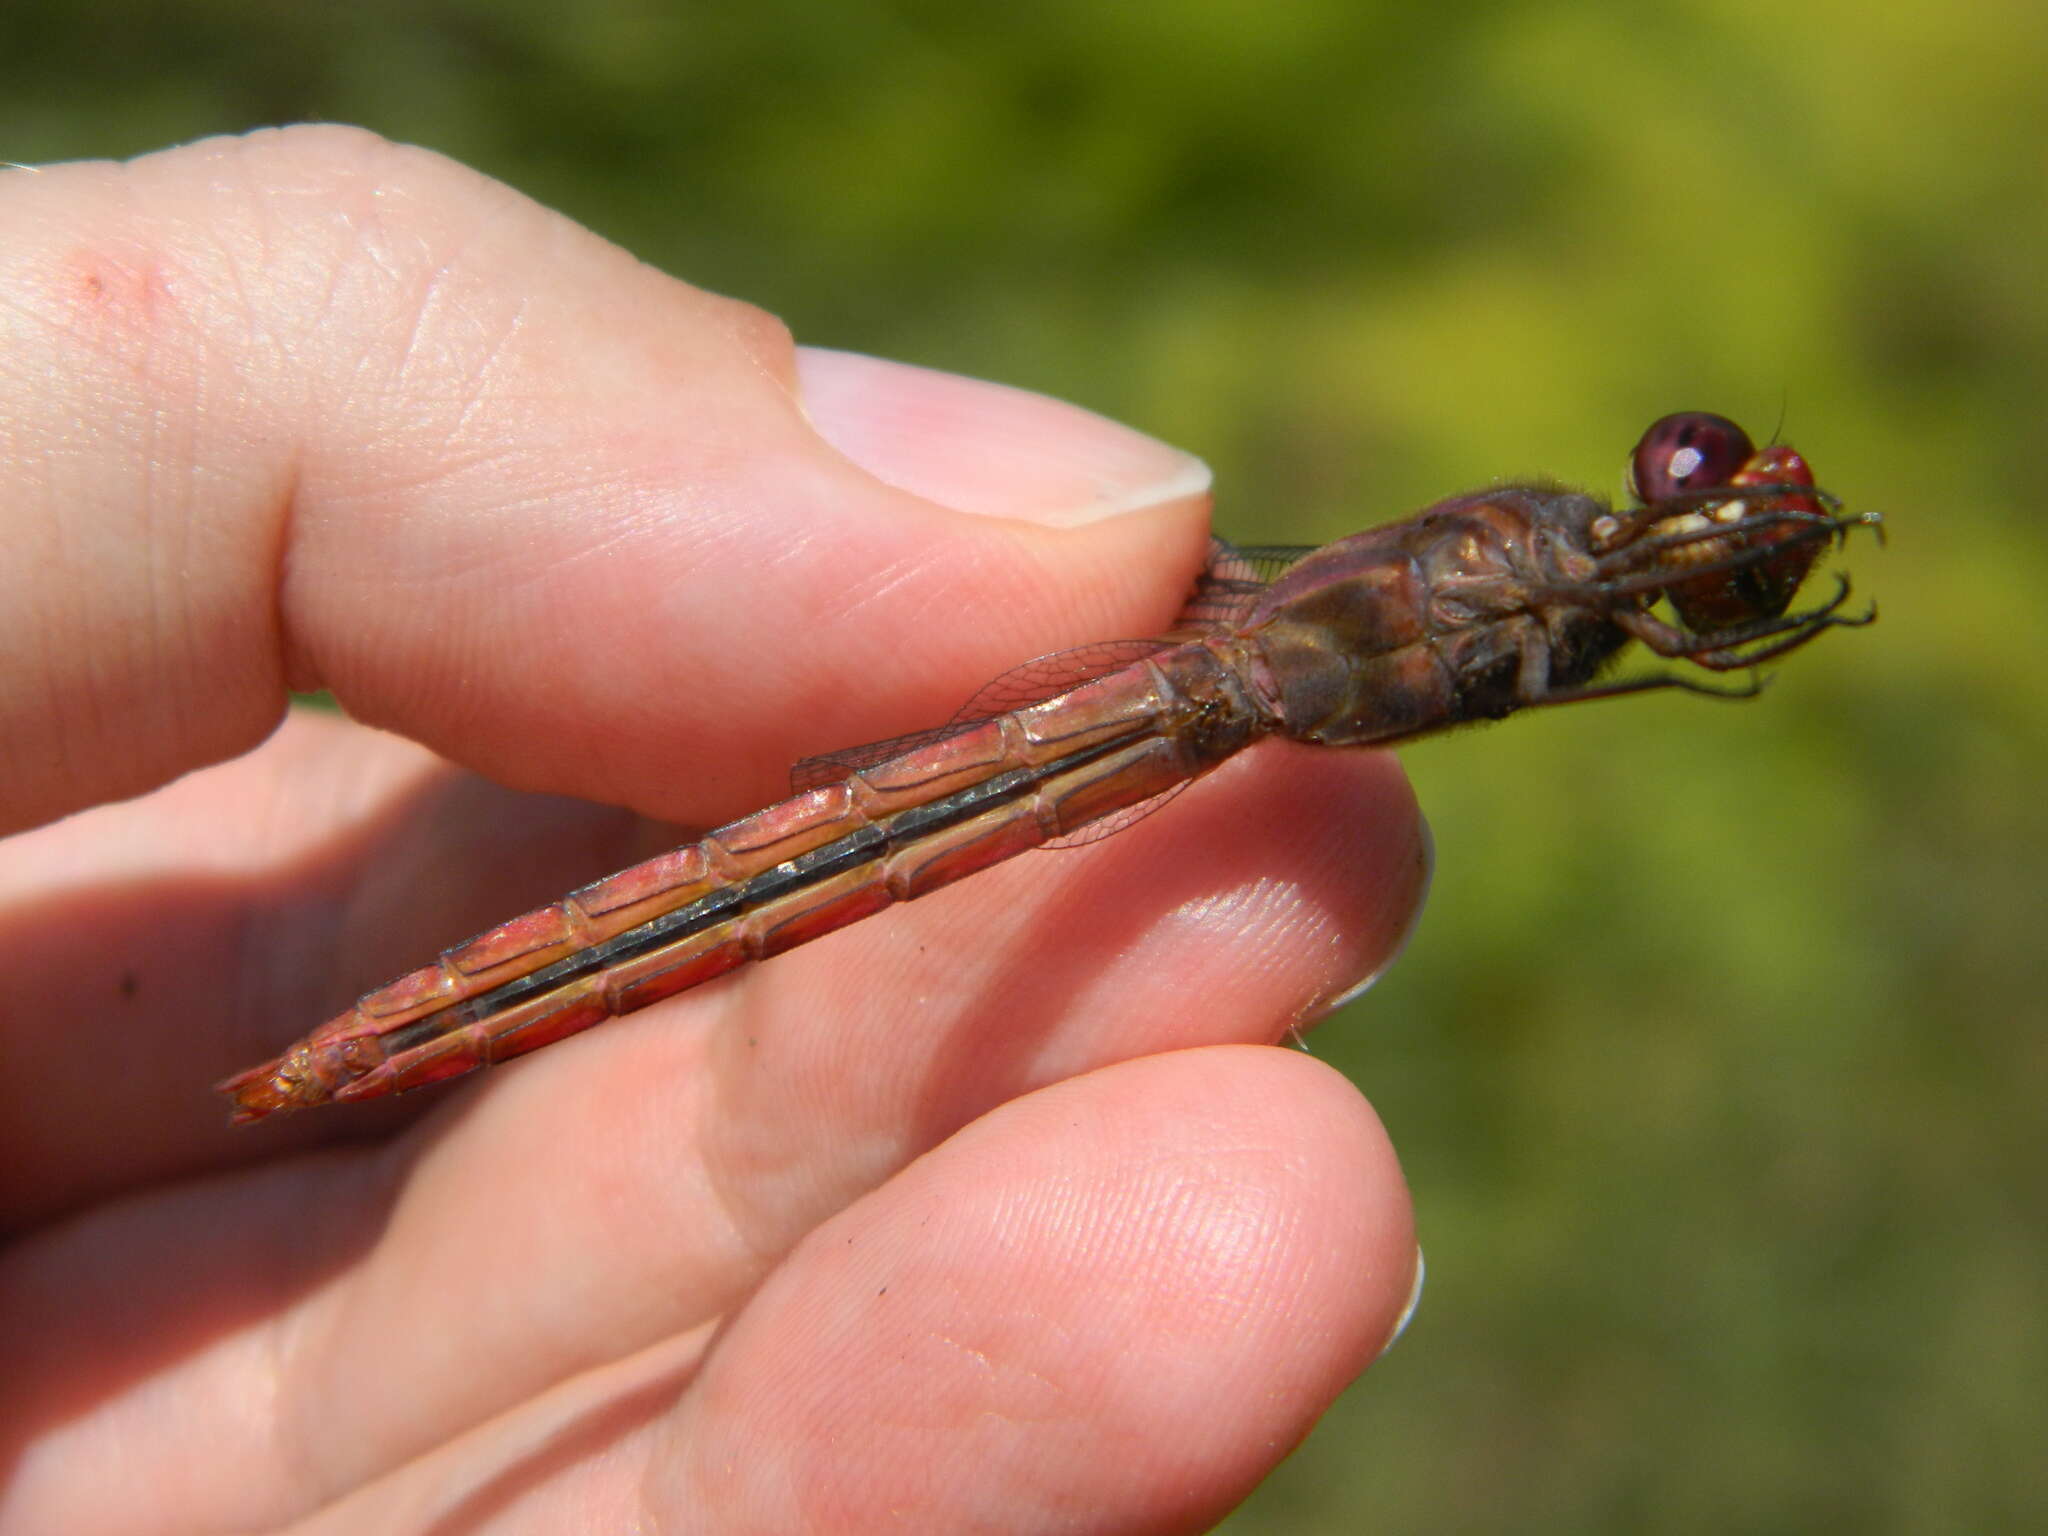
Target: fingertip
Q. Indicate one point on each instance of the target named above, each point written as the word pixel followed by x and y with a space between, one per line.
pixel 988 448
pixel 1133 1290
pixel 1417 873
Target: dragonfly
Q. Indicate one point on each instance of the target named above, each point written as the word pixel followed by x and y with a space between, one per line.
pixel 1516 597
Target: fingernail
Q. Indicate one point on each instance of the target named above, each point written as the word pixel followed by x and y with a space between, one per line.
pixel 1425 875
pixel 1407 1307
pixel 988 448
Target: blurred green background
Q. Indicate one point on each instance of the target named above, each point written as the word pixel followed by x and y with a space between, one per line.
pixel 1718 1063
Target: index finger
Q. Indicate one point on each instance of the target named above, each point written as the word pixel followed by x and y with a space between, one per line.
pixel 312 409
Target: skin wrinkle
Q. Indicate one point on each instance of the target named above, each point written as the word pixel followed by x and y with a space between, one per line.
pixel 421 315
pixel 344 197
pixel 353 1184
pixel 435 295
pixel 326 1328
pixel 316 1328
pixel 777 1181
pixel 227 264
pixel 439 309
pixel 1213 1191
pixel 513 330
pixel 296 665
pixel 1270 916
pixel 292 1452
pixel 439 288
pixel 488 1469
pixel 874 589
pixel 24 310
pixel 347 201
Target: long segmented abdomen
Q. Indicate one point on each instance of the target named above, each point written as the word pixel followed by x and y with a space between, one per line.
pixel 757 887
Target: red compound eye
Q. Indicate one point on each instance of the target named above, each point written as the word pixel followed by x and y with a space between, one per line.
pixel 1687 451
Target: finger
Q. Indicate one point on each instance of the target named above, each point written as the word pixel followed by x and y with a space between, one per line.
pixel 1144 1284
pixel 309 407
pixel 1118 1302
pixel 631 1184
pixel 1128 1295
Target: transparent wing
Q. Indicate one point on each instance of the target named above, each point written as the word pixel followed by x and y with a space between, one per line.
pixel 1232 583
pixel 1117 821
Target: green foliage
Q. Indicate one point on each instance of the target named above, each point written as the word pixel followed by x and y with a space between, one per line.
pixel 1718 1062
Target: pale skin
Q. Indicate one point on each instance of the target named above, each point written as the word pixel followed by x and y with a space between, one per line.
pixel 998 1212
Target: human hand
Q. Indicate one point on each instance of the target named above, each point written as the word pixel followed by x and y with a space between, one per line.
pixel 991 1214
